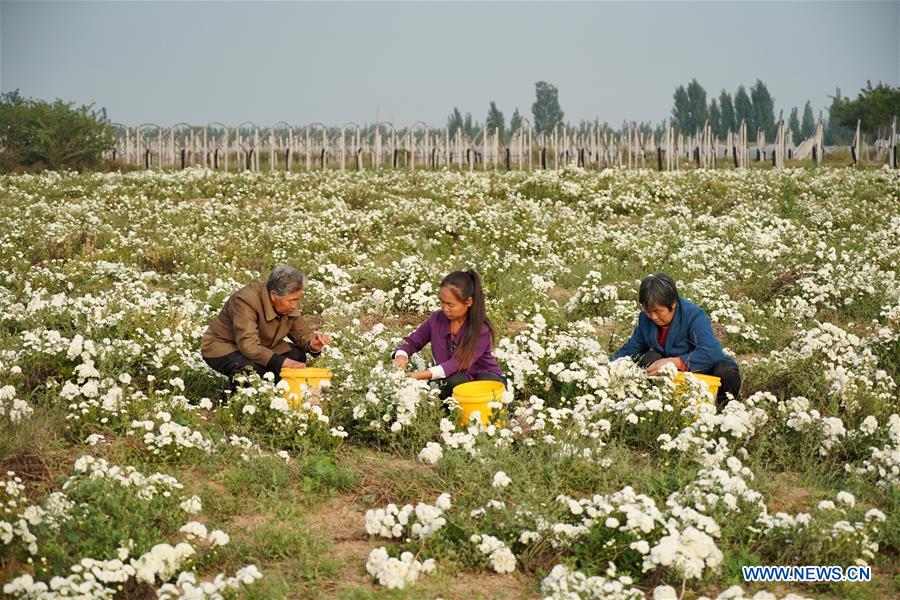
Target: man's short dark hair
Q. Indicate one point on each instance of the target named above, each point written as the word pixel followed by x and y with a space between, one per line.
pixel 658 290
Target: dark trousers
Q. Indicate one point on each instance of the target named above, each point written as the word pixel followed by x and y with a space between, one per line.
pixel 234 363
pixel 461 377
pixel 724 370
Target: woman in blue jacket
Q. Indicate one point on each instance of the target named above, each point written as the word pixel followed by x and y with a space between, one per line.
pixel 672 330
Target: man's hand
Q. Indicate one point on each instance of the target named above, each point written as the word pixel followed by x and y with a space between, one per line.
pixel 401 361
pixel 654 368
pixel 319 341
pixel 290 363
pixel 421 375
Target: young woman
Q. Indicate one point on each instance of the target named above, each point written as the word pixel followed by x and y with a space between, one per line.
pixel 460 333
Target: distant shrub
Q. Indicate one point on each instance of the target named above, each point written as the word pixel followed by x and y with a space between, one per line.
pixel 36 134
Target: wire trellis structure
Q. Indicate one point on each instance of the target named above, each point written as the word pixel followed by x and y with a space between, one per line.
pixel 282 146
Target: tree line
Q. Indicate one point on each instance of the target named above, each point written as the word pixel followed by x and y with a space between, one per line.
pixel 875 106
pixel 37 134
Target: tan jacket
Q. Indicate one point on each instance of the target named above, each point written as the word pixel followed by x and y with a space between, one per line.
pixel 249 324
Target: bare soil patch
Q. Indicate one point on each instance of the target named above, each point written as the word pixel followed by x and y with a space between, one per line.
pixel 787 496
pixel 33 469
pixel 343 523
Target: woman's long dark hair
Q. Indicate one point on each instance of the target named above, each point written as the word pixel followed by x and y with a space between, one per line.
pixel 465 285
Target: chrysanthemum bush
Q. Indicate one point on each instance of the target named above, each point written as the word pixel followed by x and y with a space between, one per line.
pixel 591 479
pixel 594 296
pixel 103 514
pixel 258 409
pixel 373 399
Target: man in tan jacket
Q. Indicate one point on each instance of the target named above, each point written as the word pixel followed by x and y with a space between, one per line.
pixel 251 327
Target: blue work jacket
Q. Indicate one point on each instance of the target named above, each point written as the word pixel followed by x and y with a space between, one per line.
pixel 690 338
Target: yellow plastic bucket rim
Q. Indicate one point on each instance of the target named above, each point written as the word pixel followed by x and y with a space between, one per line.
pixel 468 388
pixel 709 379
pixel 308 373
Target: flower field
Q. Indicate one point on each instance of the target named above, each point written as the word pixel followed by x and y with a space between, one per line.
pixel 129 472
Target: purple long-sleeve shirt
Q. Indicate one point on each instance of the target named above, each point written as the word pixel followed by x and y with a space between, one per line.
pixel 437 331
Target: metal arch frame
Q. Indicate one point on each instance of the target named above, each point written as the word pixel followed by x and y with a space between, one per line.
pixel 238 127
pixel 223 125
pixel 312 126
pixel 356 127
pixel 157 129
pixel 414 127
pixel 174 131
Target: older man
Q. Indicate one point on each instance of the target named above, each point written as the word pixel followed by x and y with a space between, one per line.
pixel 251 327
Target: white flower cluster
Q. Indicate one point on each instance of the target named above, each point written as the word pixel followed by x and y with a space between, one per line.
pixel 828 522
pixel 391 400
pixel 741 419
pixel 541 284
pixel 186 587
pixel 192 505
pixel 633 514
pixel 474 433
pixel 163 436
pixel 884 462
pixel 15 409
pixel 257 403
pixel 419 521
pixel 196 531
pixel 539 357
pixel 431 453
pixel 145 487
pixel 500 556
pixel 799 417
pixel 97 401
pixel 563 583
pixel 77 585
pixel 397 573
pixel 828 265
pixel 721 490
pixel 848 363
pixel 721 308
pixel 162 562
pixel 92 578
pixel 501 480
pixel 18 516
pixel 415 292
pixel 593 292
pixel 691 551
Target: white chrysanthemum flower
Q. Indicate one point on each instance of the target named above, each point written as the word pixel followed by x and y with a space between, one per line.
pixel 194 530
pixel 431 453
pixel 192 505
pixel 501 480
pixel 217 537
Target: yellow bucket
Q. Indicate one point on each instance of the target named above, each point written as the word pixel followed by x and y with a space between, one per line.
pixel 712 383
pixel 298 377
pixel 475 395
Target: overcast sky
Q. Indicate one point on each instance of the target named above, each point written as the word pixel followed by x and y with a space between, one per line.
pixel 304 62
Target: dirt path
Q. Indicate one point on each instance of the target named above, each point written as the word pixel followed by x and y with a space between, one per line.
pixel 342 521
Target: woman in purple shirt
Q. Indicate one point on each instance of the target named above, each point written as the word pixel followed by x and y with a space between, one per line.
pixel 460 333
